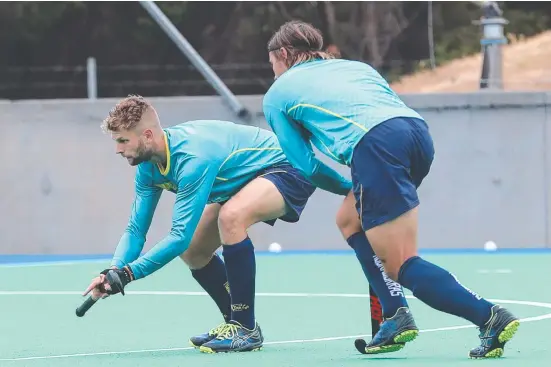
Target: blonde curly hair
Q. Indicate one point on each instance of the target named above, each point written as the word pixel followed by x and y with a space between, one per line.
pixel 126 114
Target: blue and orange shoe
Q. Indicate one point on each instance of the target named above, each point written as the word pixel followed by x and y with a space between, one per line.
pixel 393 334
pixel 198 340
pixel 234 337
pixel 500 328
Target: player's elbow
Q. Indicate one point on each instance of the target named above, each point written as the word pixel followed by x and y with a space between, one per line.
pixel 179 240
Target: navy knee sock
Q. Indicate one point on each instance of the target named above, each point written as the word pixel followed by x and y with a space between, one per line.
pixel 441 290
pixel 390 293
pixel 241 272
pixel 212 278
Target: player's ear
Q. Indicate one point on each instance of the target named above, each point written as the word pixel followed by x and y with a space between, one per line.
pixel 148 134
pixel 283 52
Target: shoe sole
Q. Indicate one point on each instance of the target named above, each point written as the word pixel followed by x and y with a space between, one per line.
pixel 400 340
pixel 406 336
pixel 506 335
pixel 208 350
pixel 384 349
pixel 509 331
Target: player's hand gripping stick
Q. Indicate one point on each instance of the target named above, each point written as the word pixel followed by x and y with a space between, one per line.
pixel 116 279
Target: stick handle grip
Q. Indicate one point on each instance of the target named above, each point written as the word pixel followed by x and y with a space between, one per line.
pixel 85 306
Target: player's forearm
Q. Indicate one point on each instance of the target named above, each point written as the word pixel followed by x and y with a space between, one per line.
pixel 128 249
pixel 160 255
pixel 330 180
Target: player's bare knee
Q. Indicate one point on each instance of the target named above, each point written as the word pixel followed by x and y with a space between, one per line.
pixel 231 219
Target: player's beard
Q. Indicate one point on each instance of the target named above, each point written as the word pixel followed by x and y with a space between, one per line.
pixel 142 154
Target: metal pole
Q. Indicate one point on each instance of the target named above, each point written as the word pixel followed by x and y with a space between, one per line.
pixel 431 37
pixel 492 42
pixel 92 80
pixel 196 59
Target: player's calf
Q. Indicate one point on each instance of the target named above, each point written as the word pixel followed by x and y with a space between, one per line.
pixel 389 292
pixel 441 290
pixel 258 201
pixel 395 241
pixel 207 268
pixel 213 279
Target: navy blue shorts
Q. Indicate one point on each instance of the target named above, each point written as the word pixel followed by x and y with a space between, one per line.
pixel 293 186
pixel 388 165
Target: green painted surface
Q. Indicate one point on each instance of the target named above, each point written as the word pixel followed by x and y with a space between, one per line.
pixel 45 325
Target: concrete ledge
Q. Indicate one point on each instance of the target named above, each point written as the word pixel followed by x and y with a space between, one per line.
pixel 433 102
pixel 477 100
